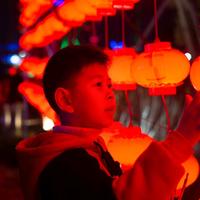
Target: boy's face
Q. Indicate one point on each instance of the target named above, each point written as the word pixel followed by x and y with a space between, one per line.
pixel 93 100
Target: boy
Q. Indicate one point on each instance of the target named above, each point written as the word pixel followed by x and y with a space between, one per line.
pixel 71 162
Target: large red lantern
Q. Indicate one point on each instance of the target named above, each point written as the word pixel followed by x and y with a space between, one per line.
pixel 120 68
pixel 195 74
pixel 127 144
pixel 160 68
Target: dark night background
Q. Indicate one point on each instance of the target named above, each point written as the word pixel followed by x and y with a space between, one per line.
pixel 179 23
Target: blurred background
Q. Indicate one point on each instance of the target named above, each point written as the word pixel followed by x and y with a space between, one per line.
pixel 21 117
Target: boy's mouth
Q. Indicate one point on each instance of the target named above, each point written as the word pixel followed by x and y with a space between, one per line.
pixel 110 109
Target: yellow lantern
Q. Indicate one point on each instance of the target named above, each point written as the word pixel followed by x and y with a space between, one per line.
pixel 120 68
pixel 195 73
pixel 160 68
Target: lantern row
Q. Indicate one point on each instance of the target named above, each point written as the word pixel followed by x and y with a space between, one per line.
pixel 158 67
pixel 58 19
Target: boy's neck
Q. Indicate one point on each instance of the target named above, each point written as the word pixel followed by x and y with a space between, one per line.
pixel 71 120
pixel 75 130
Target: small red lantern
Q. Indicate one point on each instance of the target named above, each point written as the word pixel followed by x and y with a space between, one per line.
pixel 160 68
pixel 105 8
pixel 120 68
pixel 195 74
pixel 124 4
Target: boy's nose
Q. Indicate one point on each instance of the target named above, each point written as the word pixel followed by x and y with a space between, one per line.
pixel 110 94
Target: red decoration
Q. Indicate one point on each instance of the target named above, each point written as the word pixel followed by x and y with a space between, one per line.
pixel 195 74
pixel 34 94
pixel 126 144
pixel 50 29
pixel 160 67
pixel 124 4
pixel 34 66
pixel 120 68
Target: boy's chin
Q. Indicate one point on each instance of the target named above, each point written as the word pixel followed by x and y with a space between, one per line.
pixel 106 124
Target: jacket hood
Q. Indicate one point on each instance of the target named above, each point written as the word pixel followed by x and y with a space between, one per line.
pixel 34 153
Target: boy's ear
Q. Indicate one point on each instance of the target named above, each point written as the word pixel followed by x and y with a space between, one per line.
pixel 63 100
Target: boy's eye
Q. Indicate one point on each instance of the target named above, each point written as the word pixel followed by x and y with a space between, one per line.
pixel 110 85
pixel 99 84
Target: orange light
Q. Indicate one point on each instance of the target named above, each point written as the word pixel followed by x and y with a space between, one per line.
pixel 159 67
pixel 195 73
pixel 45 32
pixel 70 14
pixel 85 7
pixel 120 68
pixel 32 10
pixel 35 96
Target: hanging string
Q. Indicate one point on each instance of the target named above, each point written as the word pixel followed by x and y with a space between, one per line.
pixel 167 114
pixel 156 21
pixel 129 107
pixel 123 28
pixel 94 33
pixel 126 91
pixel 106 33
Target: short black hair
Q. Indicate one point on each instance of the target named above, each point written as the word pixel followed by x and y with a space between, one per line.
pixel 65 64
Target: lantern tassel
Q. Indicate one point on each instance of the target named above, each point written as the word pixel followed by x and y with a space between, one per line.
pixel 167 114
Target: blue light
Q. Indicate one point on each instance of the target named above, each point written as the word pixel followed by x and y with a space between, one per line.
pixel 116 45
pixel 14 46
pixel 11 59
pixel 57 3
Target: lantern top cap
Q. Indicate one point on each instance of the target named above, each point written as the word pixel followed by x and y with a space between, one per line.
pixel 157 46
pixel 121 52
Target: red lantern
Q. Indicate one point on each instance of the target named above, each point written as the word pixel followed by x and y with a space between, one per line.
pixel 160 68
pixel 32 10
pixel 34 65
pixel 35 96
pixel 127 144
pixel 124 4
pixel 195 74
pixel 105 8
pixel 69 14
pixel 44 33
pixel 120 68
pixel 85 7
